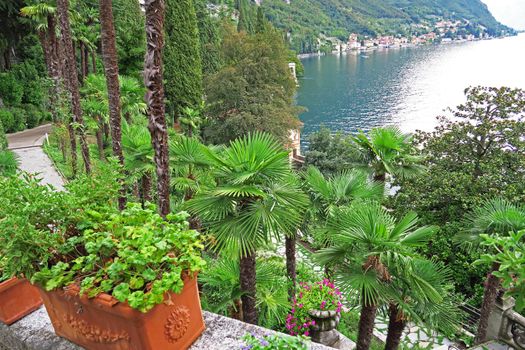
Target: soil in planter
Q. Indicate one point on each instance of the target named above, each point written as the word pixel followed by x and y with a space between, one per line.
pixel 18 298
pixel 104 323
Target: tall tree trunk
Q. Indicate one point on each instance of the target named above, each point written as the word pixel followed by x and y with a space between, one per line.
pixel 291 264
pixel 146 187
pixel 100 139
pixel 109 55
pixel 155 99
pixel 396 325
pixel 248 288
pixel 366 326
pixel 94 61
pixel 71 72
pixel 492 285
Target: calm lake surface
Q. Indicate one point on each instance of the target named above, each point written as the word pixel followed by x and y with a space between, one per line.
pixel 407 87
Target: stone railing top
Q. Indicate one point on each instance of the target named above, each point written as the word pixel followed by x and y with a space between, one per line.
pixel 35 332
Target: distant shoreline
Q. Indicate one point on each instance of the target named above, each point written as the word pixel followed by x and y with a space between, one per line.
pixel 375 48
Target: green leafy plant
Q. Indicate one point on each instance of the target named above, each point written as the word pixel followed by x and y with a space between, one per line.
pixel 135 256
pixel 274 342
pixel 509 253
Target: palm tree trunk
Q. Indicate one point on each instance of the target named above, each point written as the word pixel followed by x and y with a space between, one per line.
pixel 71 72
pixel 366 326
pixel 155 99
pixel 248 288
pixel 396 325
pixel 109 55
pixel 291 265
pixel 146 187
pixel 82 60
pixel 492 285
pixel 94 61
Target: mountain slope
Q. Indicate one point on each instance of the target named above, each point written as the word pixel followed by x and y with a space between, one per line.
pixel 306 19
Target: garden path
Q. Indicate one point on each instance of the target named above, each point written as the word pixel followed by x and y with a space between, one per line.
pixel 27 145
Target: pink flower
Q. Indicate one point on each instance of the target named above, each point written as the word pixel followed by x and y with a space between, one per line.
pixel 307 333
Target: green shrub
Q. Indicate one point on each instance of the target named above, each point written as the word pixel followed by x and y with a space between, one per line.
pixel 3 139
pixel 10 89
pixel 34 86
pixel 34 115
pixel 20 119
pixel 7 119
pixel 8 163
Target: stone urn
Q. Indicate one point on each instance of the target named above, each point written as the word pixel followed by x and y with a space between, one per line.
pixel 324 330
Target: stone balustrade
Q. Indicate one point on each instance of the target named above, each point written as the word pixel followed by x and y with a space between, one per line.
pixel 507 325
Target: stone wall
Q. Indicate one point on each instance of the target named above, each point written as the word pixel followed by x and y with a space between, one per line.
pixel 35 332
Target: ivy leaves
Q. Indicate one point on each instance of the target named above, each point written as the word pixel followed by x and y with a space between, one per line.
pixel 136 256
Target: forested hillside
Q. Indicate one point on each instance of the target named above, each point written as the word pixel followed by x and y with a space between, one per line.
pixel 306 19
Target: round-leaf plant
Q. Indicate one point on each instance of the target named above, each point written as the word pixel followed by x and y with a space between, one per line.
pixel 135 256
pixel 322 295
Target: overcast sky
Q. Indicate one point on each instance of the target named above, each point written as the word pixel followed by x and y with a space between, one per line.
pixel 509 12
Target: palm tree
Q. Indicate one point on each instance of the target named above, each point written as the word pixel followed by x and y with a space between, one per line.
pixel 72 84
pixel 421 294
pixel 95 105
pixel 367 244
pixel 223 277
pixel 138 157
pixel 388 151
pixel 155 99
pixel 132 98
pixel 253 203
pixel 109 55
pixel 495 216
pixel 329 193
pixel 190 165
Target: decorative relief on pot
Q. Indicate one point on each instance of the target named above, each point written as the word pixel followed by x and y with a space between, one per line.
pixel 177 324
pixel 94 333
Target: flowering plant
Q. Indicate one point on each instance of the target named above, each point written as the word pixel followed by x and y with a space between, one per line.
pixel 273 342
pixel 321 295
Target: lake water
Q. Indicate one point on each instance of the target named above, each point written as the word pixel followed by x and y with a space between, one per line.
pixel 407 87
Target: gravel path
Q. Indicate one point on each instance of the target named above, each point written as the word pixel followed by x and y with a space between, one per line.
pixel 27 145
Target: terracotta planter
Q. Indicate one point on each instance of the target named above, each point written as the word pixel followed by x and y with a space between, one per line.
pixel 18 298
pixel 324 330
pixel 105 323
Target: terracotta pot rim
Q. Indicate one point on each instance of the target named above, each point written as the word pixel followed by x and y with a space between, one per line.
pixel 13 281
pixel 107 301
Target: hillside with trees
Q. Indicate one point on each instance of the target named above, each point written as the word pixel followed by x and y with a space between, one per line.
pixel 306 20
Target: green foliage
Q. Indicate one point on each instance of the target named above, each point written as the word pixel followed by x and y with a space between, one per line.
pixel 330 153
pixel 209 38
pixel 19 119
pixel 221 289
pixel 469 159
pixel 256 198
pixel 306 19
pixel 135 256
pixel 387 151
pixel 8 162
pixel 182 57
pixel 11 90
pixel 253 91
pixel 274 342
pixel 509 253
pixel 7 120
pixel 3 138
pixel 130 36
pixel 364 228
